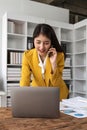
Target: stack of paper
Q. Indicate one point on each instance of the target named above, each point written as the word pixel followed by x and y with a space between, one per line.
pixel 76 107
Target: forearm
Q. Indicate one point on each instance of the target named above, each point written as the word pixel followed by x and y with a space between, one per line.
pixel 57 81
pixel 24 82
pixel 55 77
pixel 25 72
pixel 25 76
pixel 54 66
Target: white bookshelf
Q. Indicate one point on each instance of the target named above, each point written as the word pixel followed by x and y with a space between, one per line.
pixel 17 37
pixel 80 59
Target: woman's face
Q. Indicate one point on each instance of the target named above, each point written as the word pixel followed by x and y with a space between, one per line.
pixel 42 45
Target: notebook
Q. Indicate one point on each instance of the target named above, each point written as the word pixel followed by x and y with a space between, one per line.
pixel 35 102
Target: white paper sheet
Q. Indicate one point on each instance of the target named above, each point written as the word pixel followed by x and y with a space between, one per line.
pixel 76 107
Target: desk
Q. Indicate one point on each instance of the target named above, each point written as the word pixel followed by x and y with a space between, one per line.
pixel 65 122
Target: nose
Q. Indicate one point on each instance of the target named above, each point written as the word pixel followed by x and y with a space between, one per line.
pixel 41 45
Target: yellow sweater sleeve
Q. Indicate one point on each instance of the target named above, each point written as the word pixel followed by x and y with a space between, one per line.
pixel 56 78
pixel 25 72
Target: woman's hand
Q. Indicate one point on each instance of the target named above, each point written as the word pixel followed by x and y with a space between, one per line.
pixel 52 53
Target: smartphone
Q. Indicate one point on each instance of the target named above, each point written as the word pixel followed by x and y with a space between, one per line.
pixel 50 53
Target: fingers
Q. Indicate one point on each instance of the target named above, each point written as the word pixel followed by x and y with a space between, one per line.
pixel 52 52
pixel 52 49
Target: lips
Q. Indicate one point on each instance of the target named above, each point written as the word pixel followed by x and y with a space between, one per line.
pixel 41 51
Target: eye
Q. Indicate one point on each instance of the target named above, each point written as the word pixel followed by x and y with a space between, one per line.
pixel 47 43
pixel 38 42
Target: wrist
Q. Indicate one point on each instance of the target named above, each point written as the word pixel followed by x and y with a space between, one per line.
pixel 54 66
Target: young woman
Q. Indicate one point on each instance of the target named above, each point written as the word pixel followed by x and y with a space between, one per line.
pixel 45 61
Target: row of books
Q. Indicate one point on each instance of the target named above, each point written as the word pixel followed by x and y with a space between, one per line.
pixel 13 74
pixel 9 101
pixel 13 70
pixel 15 57
pixel 66 74
pixel 68 61
pixel 66 77
pixel 66 47
pixel 9 86
pixel 13 78
pixel 29 43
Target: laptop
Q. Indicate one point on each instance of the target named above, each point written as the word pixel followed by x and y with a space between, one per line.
pixel 37 102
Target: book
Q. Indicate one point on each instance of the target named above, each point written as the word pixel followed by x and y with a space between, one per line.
pixel 29 43
pixel 11 27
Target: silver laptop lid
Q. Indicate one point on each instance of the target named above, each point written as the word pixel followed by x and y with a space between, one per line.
pixel 35 102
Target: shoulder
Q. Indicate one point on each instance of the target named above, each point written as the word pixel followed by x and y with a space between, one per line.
pixel 29 53
pixel 60 58
pixel 60 55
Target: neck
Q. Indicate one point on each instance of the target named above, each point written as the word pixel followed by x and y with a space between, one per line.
pixel 42 58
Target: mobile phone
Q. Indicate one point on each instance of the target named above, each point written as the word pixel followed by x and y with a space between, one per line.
pixel 50 53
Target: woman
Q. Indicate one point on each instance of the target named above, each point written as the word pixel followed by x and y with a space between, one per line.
pixel 45 61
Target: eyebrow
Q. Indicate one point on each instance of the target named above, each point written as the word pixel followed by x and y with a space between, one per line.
pixel 43 41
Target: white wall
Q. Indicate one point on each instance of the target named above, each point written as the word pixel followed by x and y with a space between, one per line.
pixel 26 7
pixel 46 11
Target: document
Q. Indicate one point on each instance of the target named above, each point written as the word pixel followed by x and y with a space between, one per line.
pixel 76 107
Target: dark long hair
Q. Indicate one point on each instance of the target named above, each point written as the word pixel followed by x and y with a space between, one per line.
pixel 48 31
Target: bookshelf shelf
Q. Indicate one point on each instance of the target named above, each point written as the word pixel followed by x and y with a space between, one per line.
pixel 66 41
pixel 79 40
pixel 69 54
pixel 15 49
pixel 80 53
pixel 17 65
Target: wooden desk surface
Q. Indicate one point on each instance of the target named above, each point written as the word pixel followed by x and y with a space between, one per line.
pixel 65 122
